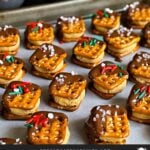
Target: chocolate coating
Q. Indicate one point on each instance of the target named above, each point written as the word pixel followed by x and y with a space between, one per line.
pixel 10 141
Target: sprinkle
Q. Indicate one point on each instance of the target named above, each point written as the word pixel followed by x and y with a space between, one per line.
pixel 29 125
pixel 142 88
pixel 120 74
pixel 1 62
pixel 97 116
pixel 94 119
pixel 73 73
pixel 117 106
pixel 108 10
pixel 148 89
pixel 40 25
pixel 103 65
pixel 141 95
pixel 83 44
pixel 136 91
pixel 106 14
pixel 33 133
pixel 17 140
pixel 2 143
pixel 50 115
pixel 16 90
pixel 98 107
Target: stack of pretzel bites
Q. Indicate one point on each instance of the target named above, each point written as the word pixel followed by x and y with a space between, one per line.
pixel 65 96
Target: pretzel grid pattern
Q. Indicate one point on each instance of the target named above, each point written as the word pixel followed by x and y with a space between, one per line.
pixel 118 40
pixel 49 63
pixel 109 80
pixel 73 27
pixel 143 105
pixel 87 51
pixel 52 133
pixel 143 71
pixel 116 126
pixel 106 21
pixel 68 90
pixel 141 14
pixel 25 101
pixel 44 35
pixel 9 40
pixel 10 71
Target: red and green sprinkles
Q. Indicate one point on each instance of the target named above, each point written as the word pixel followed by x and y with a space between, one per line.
pixel 142 91
pixel 102 13
pixel 37 120
pixel 35 26
pixel 111 67
pixel 88 41
pixel 19 88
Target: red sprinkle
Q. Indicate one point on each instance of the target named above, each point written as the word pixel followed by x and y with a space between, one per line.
pixel 148 89
pixel 38 120
pixel 111 68
pixel 5 55
pixel 100 13
pixel 142 88
pixel 84 39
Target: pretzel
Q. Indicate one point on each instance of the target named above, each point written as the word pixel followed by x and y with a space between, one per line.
pixel 11 68
pixel 108 79
pixel 105 20
pixel 138 15
pixel 9 40
pixel 70 29
pixel 107 124
pixel 146 35
pixel 122 42
pixel 88 52
pixel 47 61
pixel 5 141
pixel 47 128
pixel 38 33
pixel 138 104
pixel 21 99
pixel 67 91
pixel 139 68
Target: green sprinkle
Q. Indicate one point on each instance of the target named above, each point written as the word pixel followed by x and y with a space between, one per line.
pixel 10 59
pixel 120 66
pixel 94 41
pixel 20 89
pixel 136 91
pixel 35 29
pixel 142 95
pixel 29 125
pixel 84 44
pixel 120 74
pixel 106 14
pixel 13 93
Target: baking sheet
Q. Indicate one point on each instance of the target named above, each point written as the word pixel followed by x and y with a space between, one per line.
pixel 139 133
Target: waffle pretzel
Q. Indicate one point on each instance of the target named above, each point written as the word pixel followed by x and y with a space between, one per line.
pixel 11 68
pixel 9 40
pixel 48 60
pixel 67 91
pixel 70 28
pixel 52 128
pixel 138 15
pixel 108 79
pixel 139 68
pixel 138 104
pixel 21 99
pixel 107 124
pixel 105 20
pixel 38 33
pixel 122 42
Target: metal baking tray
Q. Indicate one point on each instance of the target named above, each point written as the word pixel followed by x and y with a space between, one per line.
pixel 51 11
pixel 139 133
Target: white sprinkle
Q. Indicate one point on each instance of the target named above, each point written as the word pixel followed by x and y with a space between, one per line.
pixel 69 19
pixel 97 116
pixel 61 75
pixel 109 10
pixel 33 133
pixel 2 143
pixel 16 90
pixel 126 7
pixel 134 101
pixel 98 107
pixel 40 25
pixel 8 57
pixel 108 112
pixel 103 119
pixel 94 119
pixel 50 115
pixel 103 65
pixel 117 106
pixel 1 62
pixel 17 140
